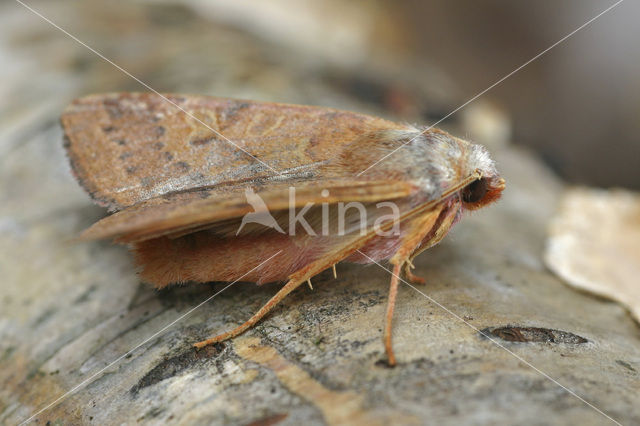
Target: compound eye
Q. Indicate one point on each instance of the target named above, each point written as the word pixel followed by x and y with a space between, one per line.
pixel 475 191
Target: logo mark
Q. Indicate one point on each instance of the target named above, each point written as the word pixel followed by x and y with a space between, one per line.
pixel 351 217
pixel 260 214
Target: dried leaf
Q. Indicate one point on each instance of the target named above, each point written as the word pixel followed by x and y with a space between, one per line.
pixel 594 244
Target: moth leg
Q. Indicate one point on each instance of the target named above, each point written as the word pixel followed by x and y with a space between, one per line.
pixel 391 304
pixel 281 294
pixel 415 232
pixel 415 279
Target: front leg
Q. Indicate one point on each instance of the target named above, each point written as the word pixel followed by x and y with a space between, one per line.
pixel 433 237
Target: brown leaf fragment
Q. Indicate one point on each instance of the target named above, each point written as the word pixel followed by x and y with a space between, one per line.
pixel 594 244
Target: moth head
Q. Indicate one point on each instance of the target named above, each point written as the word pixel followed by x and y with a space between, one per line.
pixel 488 185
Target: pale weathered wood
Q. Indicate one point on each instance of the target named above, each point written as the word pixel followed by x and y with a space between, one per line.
pixel 68 310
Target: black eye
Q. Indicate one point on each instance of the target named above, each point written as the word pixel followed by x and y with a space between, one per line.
pixel 475 191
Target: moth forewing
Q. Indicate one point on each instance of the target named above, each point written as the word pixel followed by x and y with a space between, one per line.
pixel 128 147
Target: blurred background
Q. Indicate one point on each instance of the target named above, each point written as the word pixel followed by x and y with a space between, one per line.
pixel 577 107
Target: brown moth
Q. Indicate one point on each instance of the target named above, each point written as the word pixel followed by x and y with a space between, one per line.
pixel 211 189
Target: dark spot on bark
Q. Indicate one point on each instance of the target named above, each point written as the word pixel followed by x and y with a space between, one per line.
pixel 125 155
pixel 131 169
pixel 269 420
pixel 121 141
pixel 35 372
pixel 158 145
pixel 43 317
pixel 173 366
pixel 108 129
pixel 202 141
pixel 355 344
pixel 625 365
pixel 168 156
pixel 85 295
pixel 152 414
pixel 7 353
pixel 183 165
pixel 533 335
pixel 159 130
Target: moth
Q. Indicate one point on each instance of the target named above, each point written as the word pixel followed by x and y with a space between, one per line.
pixel 204 189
